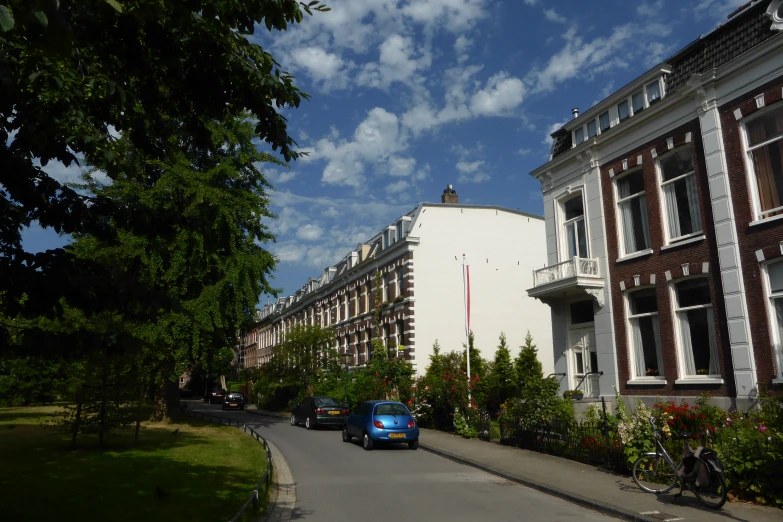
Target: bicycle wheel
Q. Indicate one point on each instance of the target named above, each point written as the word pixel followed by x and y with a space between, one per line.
pixel 653 474
pixel 713 494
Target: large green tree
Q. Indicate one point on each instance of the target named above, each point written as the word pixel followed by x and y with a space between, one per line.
pixel 73 74
pixel 503 377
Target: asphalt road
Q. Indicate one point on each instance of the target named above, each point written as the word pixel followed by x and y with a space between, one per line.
pixel 336 481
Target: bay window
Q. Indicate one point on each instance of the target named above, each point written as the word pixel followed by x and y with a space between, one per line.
pixel 698 347
pixel 681 197
pixel 574 224
pixel 632 208
pixel 645 334
pixel 765 153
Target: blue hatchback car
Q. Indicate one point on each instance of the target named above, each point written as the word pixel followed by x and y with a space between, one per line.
pixel 381 421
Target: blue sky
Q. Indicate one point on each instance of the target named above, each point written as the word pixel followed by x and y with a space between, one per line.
pixel 411 95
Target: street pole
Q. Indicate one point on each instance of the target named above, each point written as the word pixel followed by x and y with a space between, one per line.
pixel 467 323
pixel 345 378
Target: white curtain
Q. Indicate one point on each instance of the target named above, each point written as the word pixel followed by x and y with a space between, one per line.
pixel 627 217
pixel 657 334
pixel 570 230
pixel 644 224
pixel 714 369
pixel 638 348
pixel 687 346
pixel 673 214
pixel 693 202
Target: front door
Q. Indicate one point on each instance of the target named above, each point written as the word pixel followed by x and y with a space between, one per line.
pixel 584 359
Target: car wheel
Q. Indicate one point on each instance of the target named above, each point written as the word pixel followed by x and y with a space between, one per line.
pixel 293 420
pixel 414 444
pixel 367 442
pixel 308 425
pixel 346 437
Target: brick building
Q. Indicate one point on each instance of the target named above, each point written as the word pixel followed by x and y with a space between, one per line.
pixel 664 202
pixel 417 261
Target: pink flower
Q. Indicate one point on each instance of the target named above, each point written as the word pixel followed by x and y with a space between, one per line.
pixel 762 428
pixel 728 422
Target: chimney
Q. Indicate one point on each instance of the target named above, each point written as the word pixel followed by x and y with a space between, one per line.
pixel 449 196
pixel 575 110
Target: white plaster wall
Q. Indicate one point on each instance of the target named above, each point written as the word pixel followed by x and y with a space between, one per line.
pixel 502 249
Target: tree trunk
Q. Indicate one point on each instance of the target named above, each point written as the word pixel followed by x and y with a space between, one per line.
pixel 166 401
pixel 138 413
pixel 223 382
pixel 78 419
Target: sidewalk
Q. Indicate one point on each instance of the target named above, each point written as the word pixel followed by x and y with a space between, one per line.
pixel 582 484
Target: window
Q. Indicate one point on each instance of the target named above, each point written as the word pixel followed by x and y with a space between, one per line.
pixel 697 343
pixel 575 234
pixel 633 213
pixel 387 286
pixel 182 380
pixel 399 282
pixel 775 286
pixel 622 110
pixel 681 197
pixel 591 129
pixel 765 151
pixel 579 136
pixel 603 121
pixel 637 102
pixel 653 92
pixel 400 330
pixel 644 334
pixel 387 336
pixel 582 312
pixel 399 229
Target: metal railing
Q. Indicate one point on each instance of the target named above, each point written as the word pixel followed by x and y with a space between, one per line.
pixel 266 481
pixel 577 266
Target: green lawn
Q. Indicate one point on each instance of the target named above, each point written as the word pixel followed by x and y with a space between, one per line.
pixel 208 471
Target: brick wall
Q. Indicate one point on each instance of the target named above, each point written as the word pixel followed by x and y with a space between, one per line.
pixel 766 236
pixel 656 264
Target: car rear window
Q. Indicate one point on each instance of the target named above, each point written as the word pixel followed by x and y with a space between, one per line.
pixel 235 395
pixel 391 409
pixel 327 402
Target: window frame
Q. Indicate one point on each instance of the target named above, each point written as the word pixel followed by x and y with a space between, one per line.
pixel 683 378
pixel 618 215
pixel 398 278
pixel 774 329
pixel 629 316
pixel 752 179
pixel 668 239
pixel 563 223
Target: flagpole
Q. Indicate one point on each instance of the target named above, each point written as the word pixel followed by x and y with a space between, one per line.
pixel 465 297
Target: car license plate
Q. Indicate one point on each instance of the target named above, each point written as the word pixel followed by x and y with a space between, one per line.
pixel 232 404
pixel 396 435
pixel 334 413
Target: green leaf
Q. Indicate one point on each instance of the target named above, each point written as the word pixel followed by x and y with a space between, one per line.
pixel 6 19
pixel 115 4
pixel 41 17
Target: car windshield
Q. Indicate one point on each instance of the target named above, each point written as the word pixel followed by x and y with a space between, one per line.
pixel 234 395
pixel 327 402
pixel 391 409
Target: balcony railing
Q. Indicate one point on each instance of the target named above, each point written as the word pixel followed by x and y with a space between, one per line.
pixel 576 267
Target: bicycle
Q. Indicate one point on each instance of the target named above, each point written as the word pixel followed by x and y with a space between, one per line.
pixel 484 426
pixel 701 471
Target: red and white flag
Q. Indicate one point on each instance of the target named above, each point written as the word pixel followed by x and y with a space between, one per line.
pixel 467 275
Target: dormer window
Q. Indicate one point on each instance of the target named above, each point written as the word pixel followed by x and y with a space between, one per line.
pixel 592 129
pixel 638 102
pixel 653 92
pixel 399 229
pixel 622 110
pixel 604 122
pixel 579 136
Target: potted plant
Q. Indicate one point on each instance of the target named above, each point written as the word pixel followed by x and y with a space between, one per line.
pixel 652 372
pixel 702 371
pixel 576 395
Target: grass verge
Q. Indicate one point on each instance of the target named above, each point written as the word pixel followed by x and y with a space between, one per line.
pixel 205 472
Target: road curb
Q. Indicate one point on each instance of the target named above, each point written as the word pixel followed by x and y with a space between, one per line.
pixel 266 413
pixel 281 507
pixel 595 505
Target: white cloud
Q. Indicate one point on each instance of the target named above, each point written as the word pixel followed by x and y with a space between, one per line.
pixel 399 61
pixel 552 16
pixel 524 152
pixel 472 172
pixel 650 9
pixel 461 46
pixel 309 232
pixel 531 2
pixel 454 15
pixel 552 128
pixel 717 9
pixel 325 68
pixel 501 94
pixel 397 187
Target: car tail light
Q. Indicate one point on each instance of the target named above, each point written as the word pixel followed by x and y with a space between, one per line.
pixel 411 424
pixel 378 424
pixel 345 411
pixel 320 411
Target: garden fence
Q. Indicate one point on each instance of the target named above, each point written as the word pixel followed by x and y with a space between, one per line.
pixel 266 481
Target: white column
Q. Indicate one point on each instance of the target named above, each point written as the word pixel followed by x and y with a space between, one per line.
pixel 728 246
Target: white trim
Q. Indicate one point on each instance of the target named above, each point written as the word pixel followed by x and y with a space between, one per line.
pixel 622 285
pixel 647 381
pixel 640 253
pixel 760 254
pixel 700 380
pixel 774 329
pixel 654 153
pixel 696 239
pixel 639 160
pixel 628 328
pixel 758 222
pixel 738 114
pixel 750 172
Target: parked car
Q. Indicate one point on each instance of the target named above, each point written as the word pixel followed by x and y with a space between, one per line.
pixel 381 421
pixel 319 411
pixel 233 400
pixel 216 395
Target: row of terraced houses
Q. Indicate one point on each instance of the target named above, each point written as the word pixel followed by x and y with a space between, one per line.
pixel 661 242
